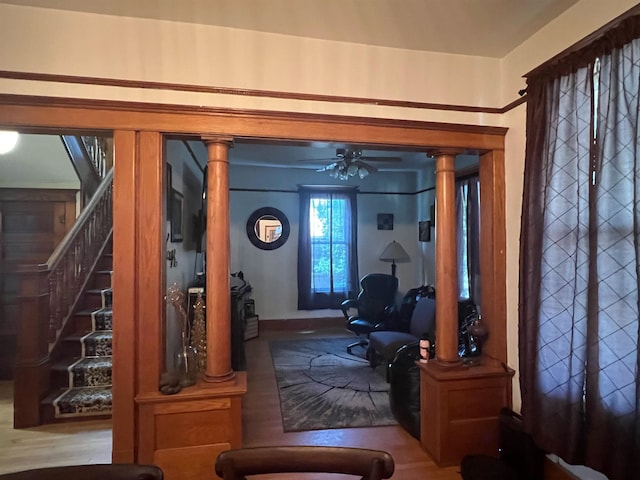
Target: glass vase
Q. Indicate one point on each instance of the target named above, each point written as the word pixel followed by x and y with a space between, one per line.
pixel 187 366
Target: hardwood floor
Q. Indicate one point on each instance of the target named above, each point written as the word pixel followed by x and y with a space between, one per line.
pixel 49 445
pixel 90 442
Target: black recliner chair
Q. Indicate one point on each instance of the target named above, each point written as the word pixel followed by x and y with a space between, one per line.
pixel 375 306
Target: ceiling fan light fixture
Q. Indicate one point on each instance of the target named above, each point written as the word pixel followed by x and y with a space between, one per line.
pixel 349 164
pixel 362 172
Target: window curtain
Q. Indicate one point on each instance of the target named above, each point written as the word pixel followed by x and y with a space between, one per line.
pixel 310 295
pixel 468 237
pixel 580 257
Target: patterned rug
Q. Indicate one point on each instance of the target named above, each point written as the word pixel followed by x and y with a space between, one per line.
pixel 321 386
pixel 89 388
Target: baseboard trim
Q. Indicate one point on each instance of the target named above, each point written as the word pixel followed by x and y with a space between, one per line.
pixel 301 323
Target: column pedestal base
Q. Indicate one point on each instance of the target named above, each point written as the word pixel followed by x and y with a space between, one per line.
pixel 459 409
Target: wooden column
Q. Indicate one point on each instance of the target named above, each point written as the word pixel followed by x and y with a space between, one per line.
pixel 446 262
pixel 218 311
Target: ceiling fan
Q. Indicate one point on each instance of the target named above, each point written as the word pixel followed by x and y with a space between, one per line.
pixel 350 162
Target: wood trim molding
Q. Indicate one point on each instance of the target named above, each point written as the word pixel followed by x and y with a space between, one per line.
pixel 493 245
pixel 38 194
pixel 246 92
pixel 244 115
pixel 138 207
pixel 125 300
pixel 96 115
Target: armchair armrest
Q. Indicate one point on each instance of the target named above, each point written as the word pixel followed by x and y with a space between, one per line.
pixel 389 318
pixel 348 304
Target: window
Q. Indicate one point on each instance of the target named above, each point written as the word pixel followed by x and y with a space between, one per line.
pixel 468 236
pixel 327 254
pixel 580 255
pixel 328 225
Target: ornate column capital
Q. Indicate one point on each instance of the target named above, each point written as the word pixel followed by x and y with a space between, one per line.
pixel 218 139
pixel 444 151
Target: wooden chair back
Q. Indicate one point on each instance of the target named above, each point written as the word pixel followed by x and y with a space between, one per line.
pixel 106 471
pixel 365 463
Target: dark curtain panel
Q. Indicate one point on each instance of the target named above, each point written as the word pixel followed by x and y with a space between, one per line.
pixel 468 237
pixel 612 393
pixel 554 266
pixel 580 262
pixel 313 294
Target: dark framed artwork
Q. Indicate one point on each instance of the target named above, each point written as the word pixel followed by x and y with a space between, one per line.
pixel 169 189
pixel 424 231
pixel 176 216
pixel 385 221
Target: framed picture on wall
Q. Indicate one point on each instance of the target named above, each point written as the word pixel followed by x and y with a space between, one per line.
pixel 424 231
pixel 176 216
pixel 385 221
pixel 169 188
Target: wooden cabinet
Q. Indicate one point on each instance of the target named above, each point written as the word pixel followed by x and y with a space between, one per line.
pixel 32 223
pixel 183 433
pixel 459 408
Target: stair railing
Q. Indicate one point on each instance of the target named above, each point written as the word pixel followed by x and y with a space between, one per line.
pixel 100 153
pixel 91 157
pixel 49 293
pixel 72 262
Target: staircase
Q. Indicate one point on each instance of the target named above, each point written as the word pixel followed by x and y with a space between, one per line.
pixel 81 362
pixel 64 336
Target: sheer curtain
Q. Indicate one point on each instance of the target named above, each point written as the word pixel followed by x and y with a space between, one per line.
pixel 468 237
pixel 580 259
pixel 327 247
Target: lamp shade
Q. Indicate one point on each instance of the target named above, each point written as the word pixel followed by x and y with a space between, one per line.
pixel 8 141
pixel 394 253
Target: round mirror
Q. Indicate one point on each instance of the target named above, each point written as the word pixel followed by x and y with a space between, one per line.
pixel 268 228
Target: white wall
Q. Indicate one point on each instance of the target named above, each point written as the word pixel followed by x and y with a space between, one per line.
pixel 273 273
pixel 65 42
pixel 38 161
pixel 186 179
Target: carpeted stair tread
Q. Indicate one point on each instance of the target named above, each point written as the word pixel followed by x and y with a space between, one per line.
pixel 97 344
pixel 90 372
pixel 83 373
pixel 106 295
pixel 87 371
pixel 75 402
pixel 101 319
pixel 90 343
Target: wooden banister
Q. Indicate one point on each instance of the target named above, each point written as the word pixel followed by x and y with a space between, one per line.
pixel 49 293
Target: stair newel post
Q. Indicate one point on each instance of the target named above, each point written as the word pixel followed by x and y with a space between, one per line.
pixel 446 261
pixel 32 359
pixel 218 311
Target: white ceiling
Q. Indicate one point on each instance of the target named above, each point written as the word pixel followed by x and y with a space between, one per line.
pixel 488 28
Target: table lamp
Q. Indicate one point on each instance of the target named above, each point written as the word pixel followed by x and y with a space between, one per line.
pixel 394 253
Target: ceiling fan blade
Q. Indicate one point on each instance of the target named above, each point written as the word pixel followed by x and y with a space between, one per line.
pixel 366 166
pixel 380 159
pixel 315 160
pixel 331 166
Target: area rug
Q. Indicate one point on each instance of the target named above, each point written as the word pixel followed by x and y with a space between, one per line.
pixel 321 386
